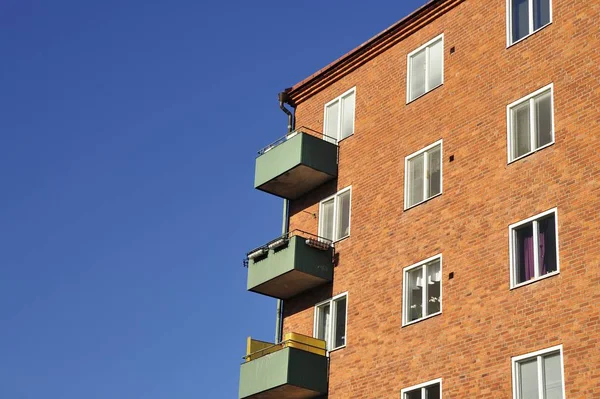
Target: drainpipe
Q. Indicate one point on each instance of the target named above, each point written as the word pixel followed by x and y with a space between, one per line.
pixel 285 225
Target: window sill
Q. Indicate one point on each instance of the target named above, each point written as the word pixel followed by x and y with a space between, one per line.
pixel 424 94
pixel 531 152
pixel 421 319
pixel 336 349
pixel 529 35
pixel 339 240
pixel 424 201
pixel 345 138
pixel 535 280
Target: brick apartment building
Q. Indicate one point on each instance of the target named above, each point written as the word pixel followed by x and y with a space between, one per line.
pixel 443 181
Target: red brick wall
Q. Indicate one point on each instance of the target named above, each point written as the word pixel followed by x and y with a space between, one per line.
pixel 483 322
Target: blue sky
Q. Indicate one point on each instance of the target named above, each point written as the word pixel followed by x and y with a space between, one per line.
pixel 128 133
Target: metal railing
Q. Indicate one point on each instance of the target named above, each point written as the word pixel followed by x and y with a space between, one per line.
pixel 287 343
pixel 301 129
pixel 312 240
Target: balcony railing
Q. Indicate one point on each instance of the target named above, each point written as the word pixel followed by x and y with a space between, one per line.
pixel 296 367
pixel 296 163
pixel 290 264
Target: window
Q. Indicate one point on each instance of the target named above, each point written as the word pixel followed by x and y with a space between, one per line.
pixel 330 321
pixel 422 290
pixel 334 216
pixel 423 175
pixel 428 390
pixel 534 248
pixel 425 68
pixel 526 17
pixel 339 117
pixel 530 123
pixel 539 375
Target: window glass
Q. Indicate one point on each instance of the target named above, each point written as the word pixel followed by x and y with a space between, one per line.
pixel 552 377
pixel 528 378
pixel 521 133
pixel 543 110
pixel 415 294
pixel 416 394
pixel 435 65
pixel 433 392
pixel 525 257
pixel 326 220
pixel 323 321
pixel 547 245
pixel 541 12
pixel 340 322
pixel 343 216
pixel 347 116
pixel 332 121
pixel 433 287
pixel 417 74
pixel 434 172
pixel 520 19
pixel 416 169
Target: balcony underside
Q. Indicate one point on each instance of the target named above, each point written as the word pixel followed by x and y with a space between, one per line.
pixel 295 182
pixel 289 284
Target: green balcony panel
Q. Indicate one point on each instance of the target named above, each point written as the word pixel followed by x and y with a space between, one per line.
pixel 294 268
pixel 296 166
pixel 288 373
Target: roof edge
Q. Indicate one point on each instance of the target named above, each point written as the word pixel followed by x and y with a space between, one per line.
pixel 369 49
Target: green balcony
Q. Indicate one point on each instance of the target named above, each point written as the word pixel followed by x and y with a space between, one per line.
pixel 295 165
pixel 296 368
pixel 290 265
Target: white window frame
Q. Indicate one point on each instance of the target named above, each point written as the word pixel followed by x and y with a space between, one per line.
pixel 333 315
pixel 406 303
pixel 509 22
pixel 421 386
pixel 408 69
pixel 538 354
pixel 512 250
pixel 425 170
pixel 335 214
pixel 532 122
pixel 340 116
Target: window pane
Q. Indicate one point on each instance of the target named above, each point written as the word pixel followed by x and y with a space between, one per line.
pixel 528 379
pixel 434 174
pixel 332 113
pixel 524 259
pixel 432 392
pixel 434 278
pixel 520 19
pixel 520 130
pixel 417 74
pixel 436 61
pixel 343 215
pixel 347 116
pixel 543 114
pixel 547 244
pixel 415 179
pixel 541 13
pixel 552 377
pixel 414 294
pixel 326 228
pixel 340 322
pixel 323 312
pixel 416 394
